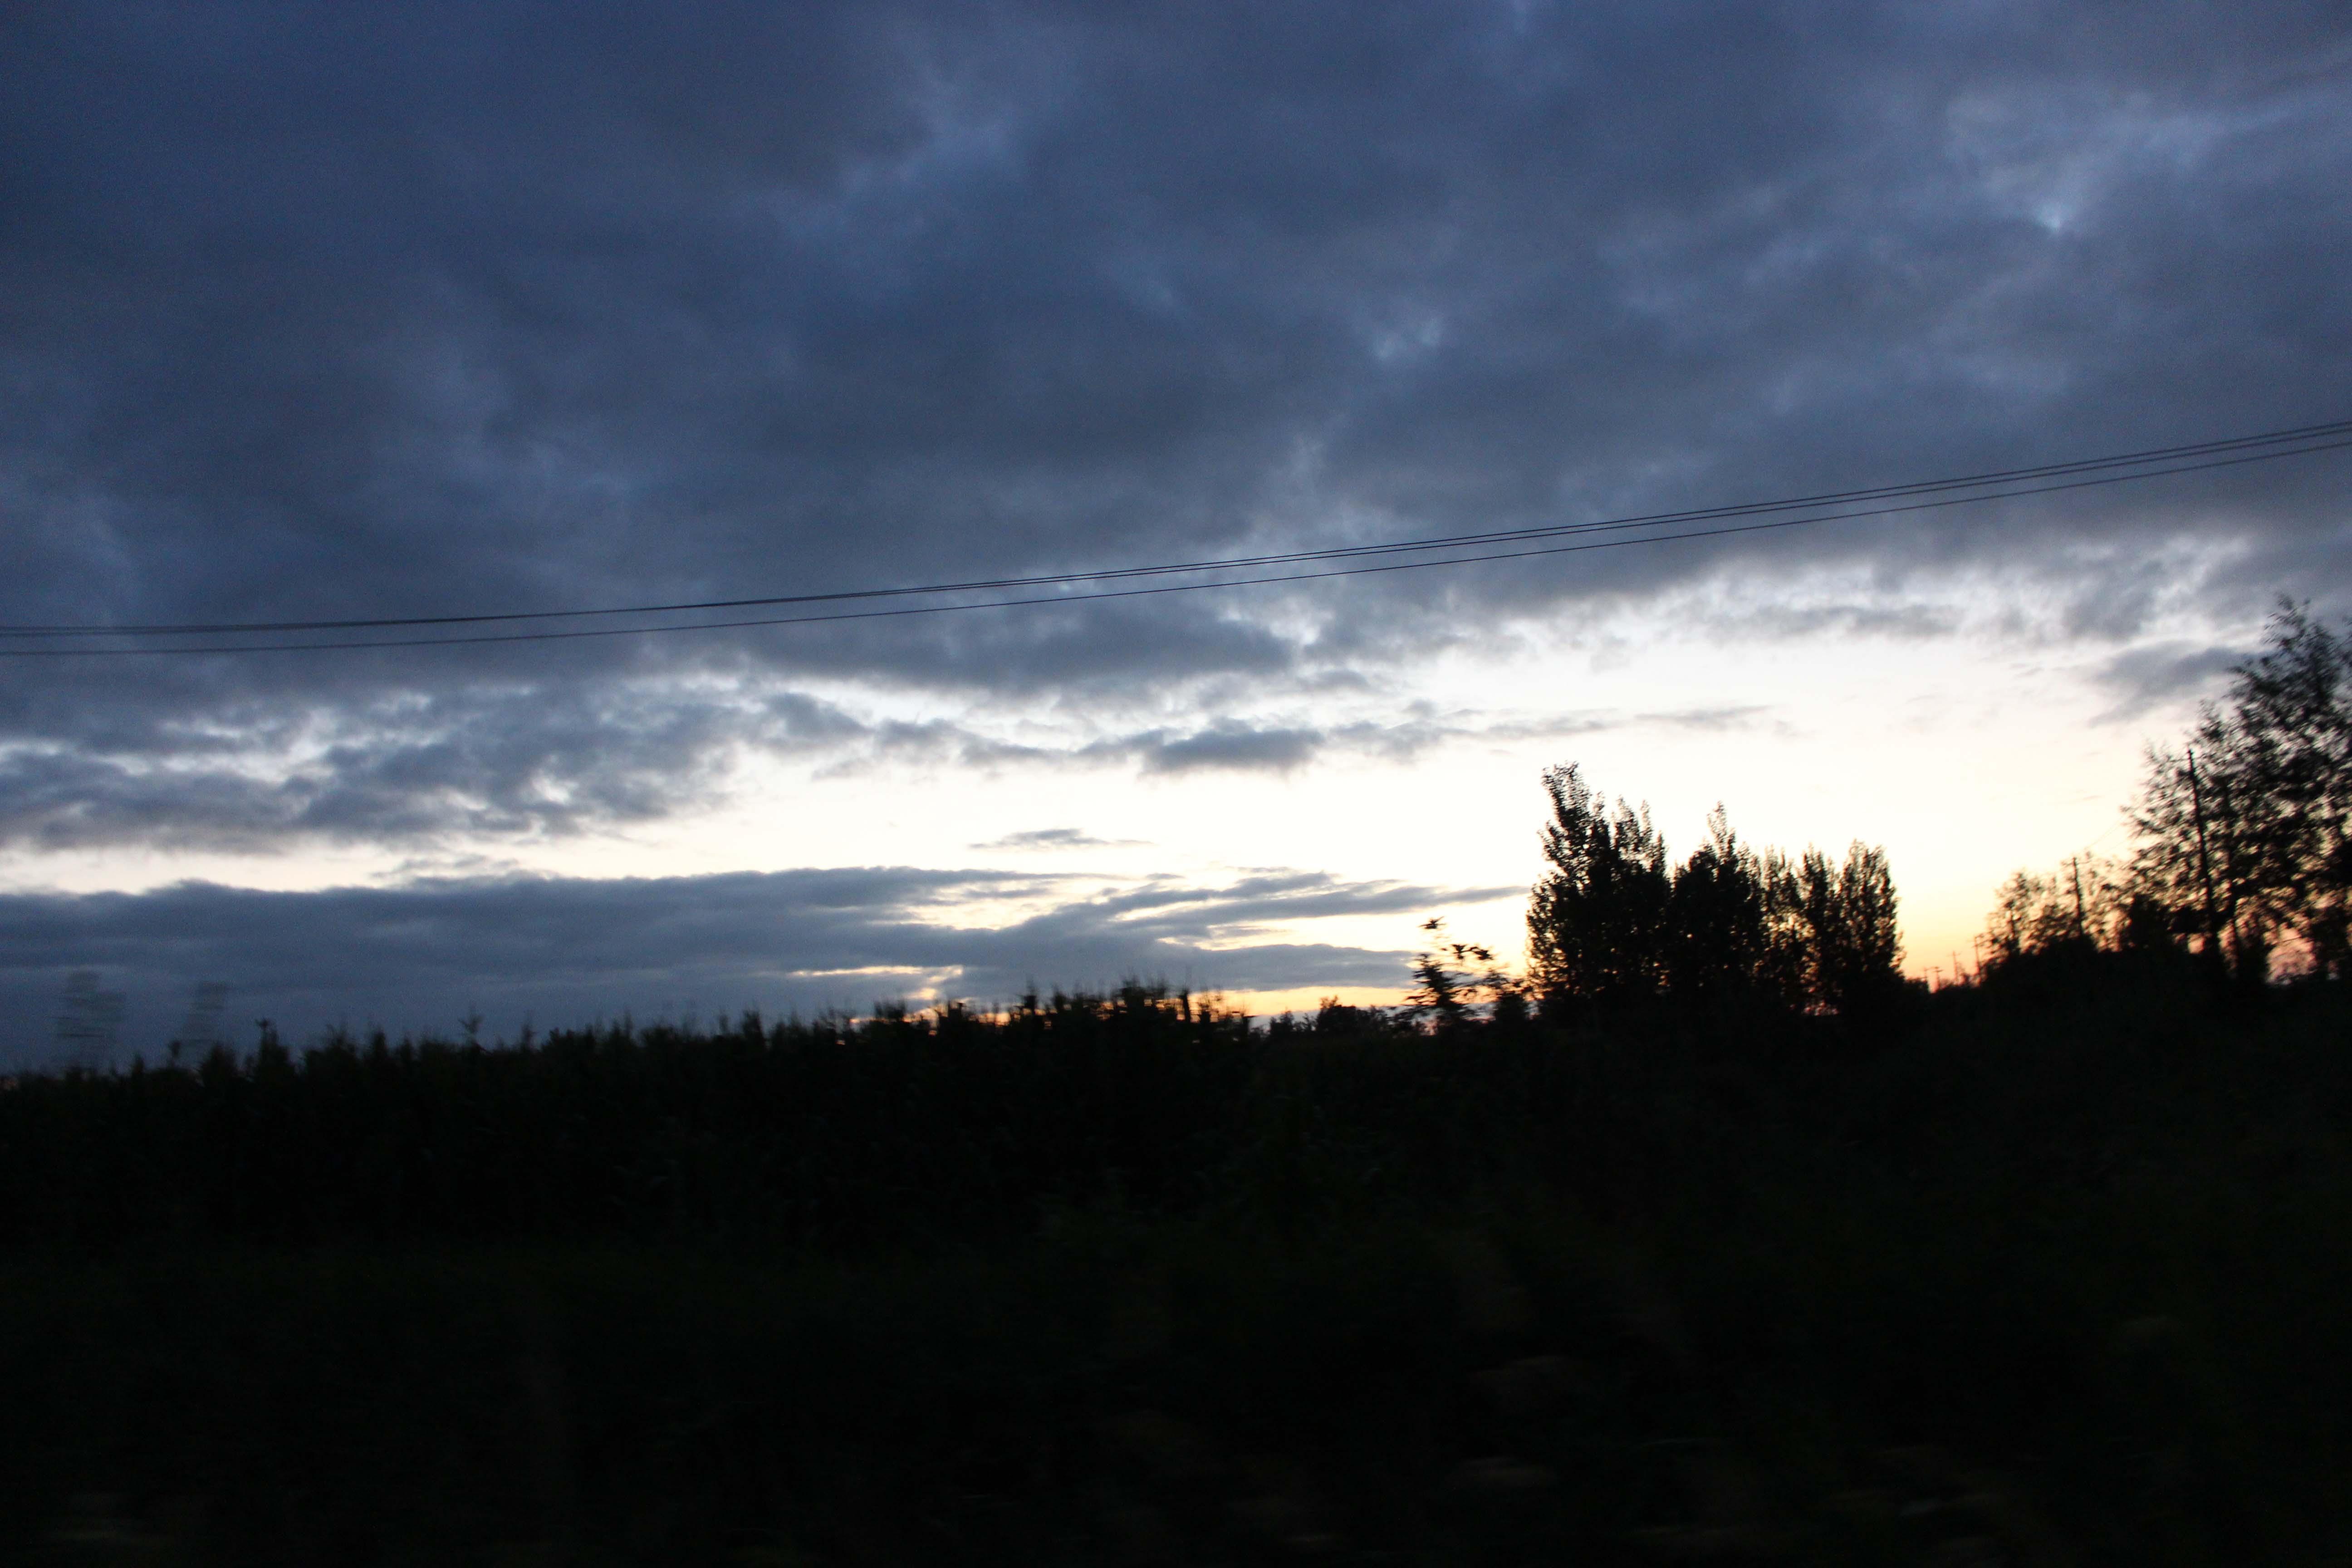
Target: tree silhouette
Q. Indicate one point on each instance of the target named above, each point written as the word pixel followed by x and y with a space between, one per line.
pixel 2245 832
pixel 1455 982
pixel 1613 921
pixel 1597 921
pixel 1721 916
pixel 1854 946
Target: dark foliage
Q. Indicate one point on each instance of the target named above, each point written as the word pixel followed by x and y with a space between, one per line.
pixel 2049 1278
pixel 1614 921
pixel 2247 833
pixel 1597 922
pixel 1456 982
pixel 2245 837
pixel 1730 1256
pixel 829 1134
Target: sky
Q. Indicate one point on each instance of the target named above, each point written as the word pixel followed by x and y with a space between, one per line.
pixel 324 313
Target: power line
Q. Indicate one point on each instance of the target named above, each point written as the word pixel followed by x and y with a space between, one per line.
pixel 2118 468
pixel 1881 492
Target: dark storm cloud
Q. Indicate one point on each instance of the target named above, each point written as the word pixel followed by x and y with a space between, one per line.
pixel 506 760
pixel 566 951
pixel 322 309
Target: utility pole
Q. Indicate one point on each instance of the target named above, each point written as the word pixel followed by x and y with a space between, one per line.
pixel 2082 926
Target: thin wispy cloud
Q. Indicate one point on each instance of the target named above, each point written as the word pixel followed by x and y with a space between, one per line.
pixel 1053 838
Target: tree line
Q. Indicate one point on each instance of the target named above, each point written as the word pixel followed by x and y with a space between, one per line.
pixel 2244 858
pixel 2242 863
pixel 1614 919
pixel 1615 922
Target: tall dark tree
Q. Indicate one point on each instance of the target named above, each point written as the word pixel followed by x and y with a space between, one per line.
pixel 1597 920
pixel 1720 919
pixel 2247 830
pixel 1854 947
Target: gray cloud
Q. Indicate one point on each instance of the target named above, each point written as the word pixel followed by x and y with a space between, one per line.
pixel 516 761
pixel 569 951
pixel 1057 838
pixel 523 763
pixel 1228 746
pixel 1238 746
pixel 1911 622
pixel 2142 677
pixel 319 310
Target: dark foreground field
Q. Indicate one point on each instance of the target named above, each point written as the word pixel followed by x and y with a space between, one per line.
pixel 2058 1274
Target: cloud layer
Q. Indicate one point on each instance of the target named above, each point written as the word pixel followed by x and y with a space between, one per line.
pixel 321 310
pixel 570 951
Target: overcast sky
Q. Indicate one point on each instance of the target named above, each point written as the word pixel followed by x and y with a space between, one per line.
pixel 334 311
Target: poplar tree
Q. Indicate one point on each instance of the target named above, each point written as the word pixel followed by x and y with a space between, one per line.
pixel 1597 920
pixel 1613 921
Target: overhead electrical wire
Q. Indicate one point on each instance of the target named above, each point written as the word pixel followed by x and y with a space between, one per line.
pixel 1881 492
pixel 1997 485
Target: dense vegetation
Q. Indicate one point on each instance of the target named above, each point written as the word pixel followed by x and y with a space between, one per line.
pixel 2050 1272
pixel 1709 1238
pixel 1615 921
pixel 2243 851
pixel 2246 834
